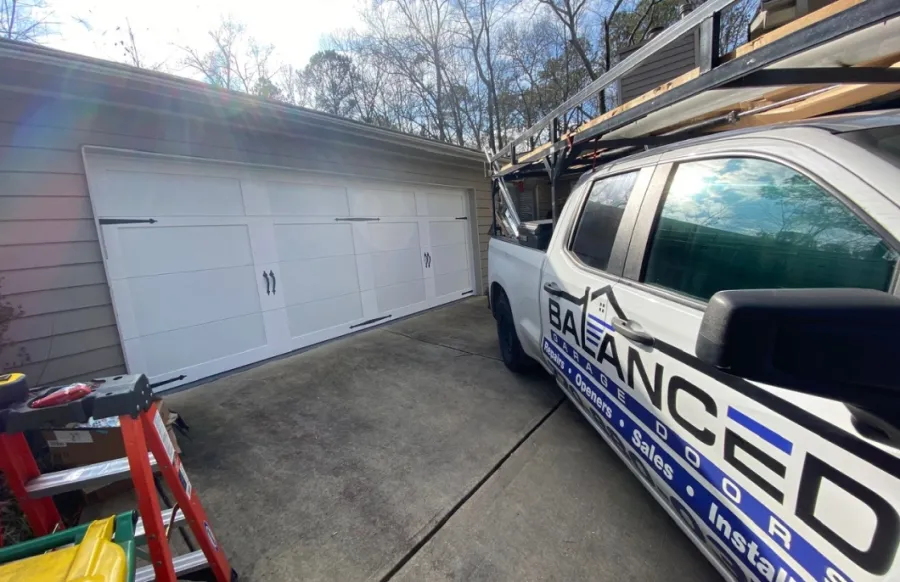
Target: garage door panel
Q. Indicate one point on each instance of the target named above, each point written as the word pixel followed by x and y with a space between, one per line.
pixel 441 203
pixel 157 250
pixel 314 279
pixel 400 295
pixel 316 316
pixel 168 302
pixel 313 241
pixel 452 282
pixel 300 199
pixel 449 258
pixel 381 203
pixel 152 194
pixel 395 267
pixel 447 232
pixel 165 352
pixel 387 236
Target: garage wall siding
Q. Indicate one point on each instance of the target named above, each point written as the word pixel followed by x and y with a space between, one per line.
pixel 483 217
pixel 50 260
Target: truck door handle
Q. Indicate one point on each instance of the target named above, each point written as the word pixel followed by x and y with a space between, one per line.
pixel 638 336
pixel 552 288
pixel 272 275
pixel 266 277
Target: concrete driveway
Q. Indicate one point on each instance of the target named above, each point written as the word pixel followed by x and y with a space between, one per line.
pixel 409 452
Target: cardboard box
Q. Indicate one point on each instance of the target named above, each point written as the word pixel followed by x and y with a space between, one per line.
pixel 95 441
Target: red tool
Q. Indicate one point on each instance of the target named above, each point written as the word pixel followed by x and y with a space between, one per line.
pixel 62 395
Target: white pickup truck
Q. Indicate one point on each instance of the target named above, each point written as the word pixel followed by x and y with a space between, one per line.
pixel 724 312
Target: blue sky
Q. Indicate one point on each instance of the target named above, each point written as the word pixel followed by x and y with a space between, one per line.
pixel 294 27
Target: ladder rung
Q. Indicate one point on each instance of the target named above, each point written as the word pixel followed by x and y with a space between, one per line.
pixel 140 533
pixel 80 477
pixel 183 564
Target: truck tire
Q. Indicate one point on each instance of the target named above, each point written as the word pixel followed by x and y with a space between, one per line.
pixel 514 357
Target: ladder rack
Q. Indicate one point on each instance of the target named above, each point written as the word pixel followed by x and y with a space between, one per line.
pixel 841 56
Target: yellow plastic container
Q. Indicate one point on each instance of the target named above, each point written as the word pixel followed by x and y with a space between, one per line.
pixel 96 559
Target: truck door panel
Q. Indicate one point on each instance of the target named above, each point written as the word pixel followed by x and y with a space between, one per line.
pixel 780 482
pixel 591 253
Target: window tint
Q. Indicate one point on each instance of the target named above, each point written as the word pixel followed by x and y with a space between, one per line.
pixel 884 141
pixel 600 218
pixel 753 224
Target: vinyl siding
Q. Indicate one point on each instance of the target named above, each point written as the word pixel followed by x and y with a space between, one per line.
pixel 543 195
pixel 50 261
pixel 677 59
pixel 483 215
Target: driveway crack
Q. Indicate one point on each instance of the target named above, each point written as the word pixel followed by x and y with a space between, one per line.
pixel 395 569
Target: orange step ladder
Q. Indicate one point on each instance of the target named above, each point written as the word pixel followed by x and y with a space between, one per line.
pixel 148 448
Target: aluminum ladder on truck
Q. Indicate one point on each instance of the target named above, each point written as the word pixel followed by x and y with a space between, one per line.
pixel 148 449
pixel 508 213
pixel 842 53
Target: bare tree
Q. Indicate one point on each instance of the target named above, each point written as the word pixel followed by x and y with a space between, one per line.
pixel 235 61
pixel 24 20
pixel 326 83
pixel 288 83
pixel 735 24
pixel 256 72
pixel 481 19
pixel 463 71
pixel 218 65
pixel 527 49
pixel 414 36
pixel 569 13
pixel 128 44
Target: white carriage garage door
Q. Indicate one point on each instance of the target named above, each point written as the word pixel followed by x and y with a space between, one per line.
pixel 215 266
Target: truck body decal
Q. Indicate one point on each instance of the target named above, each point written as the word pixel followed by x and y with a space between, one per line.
pixel 763 432
pixel 684 423
pixel 653 433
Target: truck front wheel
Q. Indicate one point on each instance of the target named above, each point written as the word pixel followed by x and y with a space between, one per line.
pixel 510 349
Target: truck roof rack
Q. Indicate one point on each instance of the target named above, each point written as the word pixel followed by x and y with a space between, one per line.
pixel 833 59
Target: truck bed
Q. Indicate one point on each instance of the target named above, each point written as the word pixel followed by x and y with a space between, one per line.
pixel 515 269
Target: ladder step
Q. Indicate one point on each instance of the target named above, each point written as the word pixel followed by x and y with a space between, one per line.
pixel 140 533
pixel 80 477
pixel 183 564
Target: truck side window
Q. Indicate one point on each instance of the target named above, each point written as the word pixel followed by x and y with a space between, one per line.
pixel 745 223
pixel 600 218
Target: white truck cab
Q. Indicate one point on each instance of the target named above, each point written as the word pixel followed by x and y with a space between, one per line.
pixel 723 312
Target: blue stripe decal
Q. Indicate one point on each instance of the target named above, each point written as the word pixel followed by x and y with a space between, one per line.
pixel 651 429
pixel 767 434
pixel 589 340
pixel 596 330
pixel 596 334
pixel 600 321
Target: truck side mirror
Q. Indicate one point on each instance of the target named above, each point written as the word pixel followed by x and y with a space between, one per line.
pixel 840 344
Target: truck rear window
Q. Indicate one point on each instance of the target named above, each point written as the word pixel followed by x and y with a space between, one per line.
pixel 882 141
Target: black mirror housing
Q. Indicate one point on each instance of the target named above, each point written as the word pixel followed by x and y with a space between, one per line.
pixel 836 343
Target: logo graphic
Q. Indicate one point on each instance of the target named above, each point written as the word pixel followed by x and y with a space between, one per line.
pixel 597 308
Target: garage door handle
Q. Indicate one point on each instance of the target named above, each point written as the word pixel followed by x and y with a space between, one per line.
pixel 272 275
pixel 627 328
pixel 266 277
